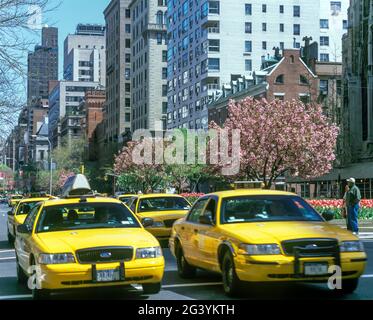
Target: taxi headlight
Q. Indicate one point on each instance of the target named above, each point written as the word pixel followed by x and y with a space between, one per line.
pixel 352 246
pixel 259 249
pixel 56 258
pixel 149 253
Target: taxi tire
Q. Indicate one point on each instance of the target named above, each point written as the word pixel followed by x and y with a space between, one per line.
pixel 184 269
pixel 232 285
pixel 10 238
pixel 151 288
pixel 349 286
pixel 40 294
pixel 21 275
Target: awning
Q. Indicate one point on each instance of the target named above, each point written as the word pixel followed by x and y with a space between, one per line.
pixel 362 170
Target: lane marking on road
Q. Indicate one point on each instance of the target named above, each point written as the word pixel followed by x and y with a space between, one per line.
pixel 16 297
pixel 185 285
pixel 6 251
pixel 10 258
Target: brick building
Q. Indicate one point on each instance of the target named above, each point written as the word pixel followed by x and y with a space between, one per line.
pixel 285 77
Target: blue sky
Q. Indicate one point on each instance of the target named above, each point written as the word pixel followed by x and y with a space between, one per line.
pixel 69 14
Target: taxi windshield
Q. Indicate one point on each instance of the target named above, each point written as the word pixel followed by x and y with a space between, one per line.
pixel 266 208
pixel 163 204
pixel 85 216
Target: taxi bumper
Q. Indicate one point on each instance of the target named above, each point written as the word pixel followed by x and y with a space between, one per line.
pixel 282 268
pixel 70 276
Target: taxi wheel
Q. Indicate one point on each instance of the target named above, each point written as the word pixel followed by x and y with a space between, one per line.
pixel 10 238
pixel 151 288
pixel 21 276
pixel 349 286
pixel 40 294
pixel 231 283
pixel 184 269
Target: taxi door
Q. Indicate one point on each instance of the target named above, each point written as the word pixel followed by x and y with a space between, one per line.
pixel 11 220
pixel 206 238
pixel 189 231
pixel 23 243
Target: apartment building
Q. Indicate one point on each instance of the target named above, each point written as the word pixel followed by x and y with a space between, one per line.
pixel 118 66
pixel 85 54
pixel 42 65
pixel 64 115
pixel 208 41
pixel 149 64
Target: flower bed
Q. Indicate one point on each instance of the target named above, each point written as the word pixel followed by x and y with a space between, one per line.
pixel 335 205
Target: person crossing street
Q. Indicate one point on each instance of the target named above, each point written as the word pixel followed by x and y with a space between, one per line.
pixel 353 198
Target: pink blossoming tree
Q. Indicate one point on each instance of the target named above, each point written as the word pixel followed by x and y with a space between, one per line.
pixel 281 138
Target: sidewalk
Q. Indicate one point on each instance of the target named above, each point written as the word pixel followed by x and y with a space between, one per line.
pixel 365 223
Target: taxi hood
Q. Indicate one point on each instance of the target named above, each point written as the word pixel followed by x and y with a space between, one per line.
pixel 72 240
pixel 276 232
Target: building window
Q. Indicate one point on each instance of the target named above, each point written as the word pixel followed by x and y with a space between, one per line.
pixel 248 65
pixel 303 80
pixel 214 64
pixel 128 58
pixel 128 43
pixel 324 24
pixel 335 7
pixel 214 45
pixel 164 90
pixel 248 46
pixel 164 73
pixel 296 29
pixel 159 38
pixel 324 41
pixel 282 45
pixel 214 7
pixel 282 28
pixel 264 8
pixel 324 57
pixel 296 11
pixel 281 8
pixel 248 9
pixel 164 56
pixel 264 26
pixel 128 28
pixel 324 87
pixel 345 24
pixel 279 79
pixel 159 18
pixel 248 27
pixel 264 45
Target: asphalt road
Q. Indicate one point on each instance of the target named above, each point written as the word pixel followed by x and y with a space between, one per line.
pixel 206 286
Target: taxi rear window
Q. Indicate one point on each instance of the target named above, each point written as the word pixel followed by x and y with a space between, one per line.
pixel 85 216
pixel 163 204
pixel 266 208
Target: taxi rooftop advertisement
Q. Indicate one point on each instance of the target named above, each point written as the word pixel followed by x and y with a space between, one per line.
pixel 179 157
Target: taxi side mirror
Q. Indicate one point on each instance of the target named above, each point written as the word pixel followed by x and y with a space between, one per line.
pixel 10 213
pixel 328 215
pixel 147 222
pixel 23 229
pixel 206 219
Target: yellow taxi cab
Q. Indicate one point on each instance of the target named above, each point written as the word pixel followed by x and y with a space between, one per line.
pixel 84 241
pixel 19 213
pixel 14 199
pixel 162 209
pixel 264 236
pixel 126 198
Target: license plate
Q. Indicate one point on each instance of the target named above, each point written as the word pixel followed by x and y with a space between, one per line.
pixel 315 269
pixel 107 275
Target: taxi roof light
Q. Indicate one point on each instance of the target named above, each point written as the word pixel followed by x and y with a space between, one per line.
pixel 248 185
pixel 77 187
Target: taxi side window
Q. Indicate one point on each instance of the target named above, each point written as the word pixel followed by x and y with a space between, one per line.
pixel 133 205
pixel 211 210
pixel 30 219
pixel 197 210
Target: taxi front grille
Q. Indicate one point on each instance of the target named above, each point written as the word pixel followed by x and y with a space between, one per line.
pixel 169 223
pixel 311 247
pixel 104 255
